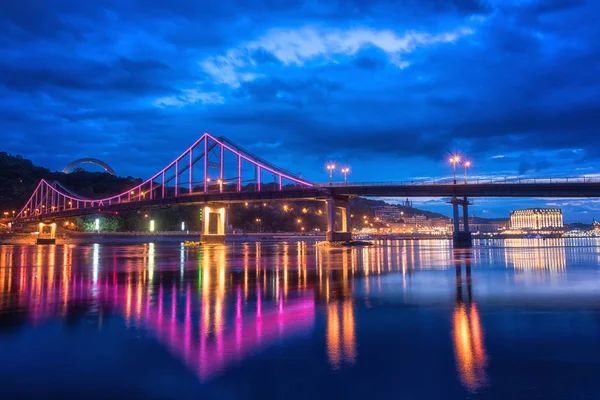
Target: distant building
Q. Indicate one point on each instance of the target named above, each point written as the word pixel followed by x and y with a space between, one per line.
pixel 536 218
pixel 387 212
pixel 415 219
pixel 407 203
pixel 476 225
pixel 501 225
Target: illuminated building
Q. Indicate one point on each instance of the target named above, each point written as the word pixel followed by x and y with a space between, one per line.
pixel 387 213
pixel 536 218
pixel 415 219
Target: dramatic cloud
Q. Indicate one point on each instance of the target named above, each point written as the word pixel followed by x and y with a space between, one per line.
pixel 390 88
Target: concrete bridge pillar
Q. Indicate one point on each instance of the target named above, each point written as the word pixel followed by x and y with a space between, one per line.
pixel 330 215
pixel 466 215
pixel 455 217
pixel 461 239
pixel 344 234
pixel 215 219
pixel 47 233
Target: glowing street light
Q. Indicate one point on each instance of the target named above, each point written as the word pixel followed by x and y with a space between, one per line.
pixel 331 167
pixel 466 164
pixel 97 224
pixel 455 160
pixel 259 222
pixel 183 226
pixel 220 182
pixel 345 172
pixel 151 225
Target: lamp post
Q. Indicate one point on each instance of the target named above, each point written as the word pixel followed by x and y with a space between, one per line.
pixel 258 221
pixel 466 164
pixel 454 160
pixel 345 172
pixel 331 167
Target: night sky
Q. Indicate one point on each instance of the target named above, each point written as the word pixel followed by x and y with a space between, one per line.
pixel 389 88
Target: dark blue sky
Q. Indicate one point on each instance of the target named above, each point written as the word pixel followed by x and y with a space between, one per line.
pixel 390 88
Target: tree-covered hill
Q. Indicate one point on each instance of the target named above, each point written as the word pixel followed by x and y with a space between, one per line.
pixel 19 177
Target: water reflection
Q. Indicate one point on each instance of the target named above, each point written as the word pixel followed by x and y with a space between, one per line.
pixel 215 306
pixel 163 306
pixel 537 254
pixel 341 333
pixel 467 331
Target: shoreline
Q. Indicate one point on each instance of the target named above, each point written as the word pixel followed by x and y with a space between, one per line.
pixel 147 237
pixel 180 237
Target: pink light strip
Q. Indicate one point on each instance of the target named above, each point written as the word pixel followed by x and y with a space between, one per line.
pixel 43 188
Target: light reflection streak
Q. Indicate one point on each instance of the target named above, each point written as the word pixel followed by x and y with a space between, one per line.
pixel 341 333
pixel 467 332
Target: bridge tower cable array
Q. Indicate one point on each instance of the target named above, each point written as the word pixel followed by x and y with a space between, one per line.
pixel 209 165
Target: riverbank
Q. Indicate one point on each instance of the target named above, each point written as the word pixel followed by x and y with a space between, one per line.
pixel 150 237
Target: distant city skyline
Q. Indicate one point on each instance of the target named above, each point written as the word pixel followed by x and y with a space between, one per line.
pixel 389 89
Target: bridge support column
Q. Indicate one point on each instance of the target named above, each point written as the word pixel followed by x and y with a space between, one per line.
pixel 455 217
pixel 466 215
pixel 47 233
pixel 345 234
pixel 215 219
pixel 461 239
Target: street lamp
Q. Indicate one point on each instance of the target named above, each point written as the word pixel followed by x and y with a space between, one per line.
pixel 331 167
pixel 455 160
pixel 220 182
pixel 258 221
pixel 466 164
pixel 345 172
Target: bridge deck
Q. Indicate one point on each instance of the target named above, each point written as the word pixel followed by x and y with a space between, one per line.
pixel 544 189
pixel 515 189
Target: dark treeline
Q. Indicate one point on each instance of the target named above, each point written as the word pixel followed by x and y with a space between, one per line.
pixel 19 178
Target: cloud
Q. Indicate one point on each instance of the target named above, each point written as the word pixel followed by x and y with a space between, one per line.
pixel 190 96
pixel 295 47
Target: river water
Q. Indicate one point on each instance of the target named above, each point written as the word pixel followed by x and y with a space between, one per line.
pixel 514 319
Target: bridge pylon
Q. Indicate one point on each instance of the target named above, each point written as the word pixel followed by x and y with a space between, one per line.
pixel 344 231
pixel 214 223
pixel 461 239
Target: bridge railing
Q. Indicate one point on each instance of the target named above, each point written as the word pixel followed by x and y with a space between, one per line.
pixel 474 181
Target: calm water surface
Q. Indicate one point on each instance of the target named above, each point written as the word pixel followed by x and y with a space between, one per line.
pixel 402 319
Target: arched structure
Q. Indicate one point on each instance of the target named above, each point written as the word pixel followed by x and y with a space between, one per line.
pixel 211 169
pixel 102 164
